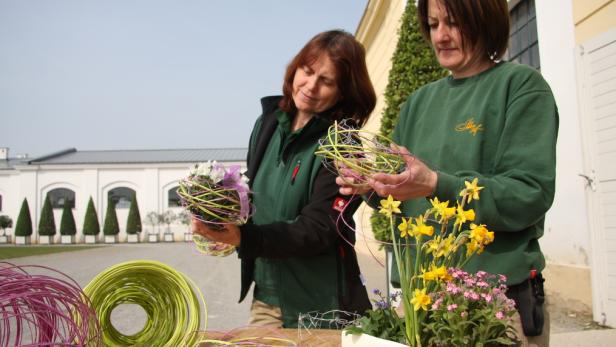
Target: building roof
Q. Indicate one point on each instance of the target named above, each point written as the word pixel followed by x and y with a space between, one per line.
pixel 72 156
pixel 11 162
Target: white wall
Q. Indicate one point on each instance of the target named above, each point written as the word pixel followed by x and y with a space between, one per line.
pixel 566 238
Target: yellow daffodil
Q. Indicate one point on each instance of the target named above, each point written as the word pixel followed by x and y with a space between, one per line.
pixel 405 227
pixel 442 210
pixel 420 299
pixel 435 273
pixel 481 234
pixel 463 216
pixel 471 192
pixel 420 228
pixel 389 206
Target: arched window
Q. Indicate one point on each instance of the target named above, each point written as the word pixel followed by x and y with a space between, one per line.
pixel 0 202
pixel 61 196
pixel 121 196
pixel 173 199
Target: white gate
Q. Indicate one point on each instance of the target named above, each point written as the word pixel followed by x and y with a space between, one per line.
pixel 596 71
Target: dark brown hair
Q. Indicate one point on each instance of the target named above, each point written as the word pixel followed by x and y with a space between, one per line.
pixel 483 24
pixel 349 58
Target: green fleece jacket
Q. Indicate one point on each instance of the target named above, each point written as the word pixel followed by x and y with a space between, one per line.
pixel 501 127
pixel 298 248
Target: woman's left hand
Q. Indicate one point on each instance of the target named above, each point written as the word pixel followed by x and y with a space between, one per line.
pixel 230 234
pixel 416 181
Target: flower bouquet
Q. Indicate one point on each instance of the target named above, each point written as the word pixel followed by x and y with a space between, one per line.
pixel 444 306
pixel 215 195
pixel 358 152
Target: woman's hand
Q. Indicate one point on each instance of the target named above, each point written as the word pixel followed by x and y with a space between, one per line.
pixel 230 234
pixel 346 180
pixel 416 181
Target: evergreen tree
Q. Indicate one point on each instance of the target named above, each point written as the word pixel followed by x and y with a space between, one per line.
pixel 5 222
pixel 90 221
pixel 67 223
pixel 23 227
pixel 133 224
pixel 111 226
pixel 413 65
pixel 47 224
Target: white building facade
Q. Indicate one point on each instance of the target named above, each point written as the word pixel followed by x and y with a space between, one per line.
pixel 74 177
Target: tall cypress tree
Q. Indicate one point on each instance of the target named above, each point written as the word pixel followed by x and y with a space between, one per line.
pixel 413 65
pixel 23 227
pixel 133 223
pixel 67 223
pixel 111 226
pixel 47 223
pixel 90 221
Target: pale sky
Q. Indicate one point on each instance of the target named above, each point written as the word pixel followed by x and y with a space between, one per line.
pixel 148 74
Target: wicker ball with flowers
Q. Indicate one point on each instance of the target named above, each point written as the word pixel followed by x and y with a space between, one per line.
pixel 215 195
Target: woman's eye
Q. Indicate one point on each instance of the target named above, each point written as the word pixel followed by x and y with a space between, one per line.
pixel 307 70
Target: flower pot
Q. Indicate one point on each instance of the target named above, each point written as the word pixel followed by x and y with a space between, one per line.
pixel 168 237
pixel 188 237
pixel 133 238
pixel 22 240
pixel 153 238
pixel 45 240
pixel 111 238
pixel 5 239
pixel 90 238
pixel 67 239
pixel 365 340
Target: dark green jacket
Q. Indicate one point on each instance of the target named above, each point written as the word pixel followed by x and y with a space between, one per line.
pixel 308 246
pixel 499 126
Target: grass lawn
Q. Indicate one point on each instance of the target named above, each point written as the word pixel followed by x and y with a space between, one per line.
pixel 9 252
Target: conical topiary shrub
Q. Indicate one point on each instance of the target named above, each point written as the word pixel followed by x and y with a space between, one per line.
pixel 111 226
pixel 133 223
pixel 413 66
pixel 23 227
pixel 90 221
pixel 47 223
pixel 67 223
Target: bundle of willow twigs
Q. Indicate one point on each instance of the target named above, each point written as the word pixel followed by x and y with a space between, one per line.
pixel 170 299
pixel 359 154
pixel 42 310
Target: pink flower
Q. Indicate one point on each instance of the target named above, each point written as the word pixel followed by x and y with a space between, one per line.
pixel 500 315
pixel 451 307
pixel 463 314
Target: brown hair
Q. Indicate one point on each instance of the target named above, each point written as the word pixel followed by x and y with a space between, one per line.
pixel 349 58
pixel 482 23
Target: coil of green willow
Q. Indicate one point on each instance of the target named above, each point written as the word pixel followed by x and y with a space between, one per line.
pixel 169 298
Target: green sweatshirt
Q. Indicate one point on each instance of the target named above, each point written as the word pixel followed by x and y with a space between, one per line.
pixel 501 127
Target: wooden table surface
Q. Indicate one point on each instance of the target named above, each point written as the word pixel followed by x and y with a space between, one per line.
pixel 275 337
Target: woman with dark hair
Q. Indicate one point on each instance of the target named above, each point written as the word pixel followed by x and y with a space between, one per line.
pixel 492 120
pixel 294 248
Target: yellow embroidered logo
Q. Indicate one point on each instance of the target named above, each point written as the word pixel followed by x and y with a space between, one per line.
pixel 470 126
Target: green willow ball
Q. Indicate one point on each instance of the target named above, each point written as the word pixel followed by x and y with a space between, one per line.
pixel 169 298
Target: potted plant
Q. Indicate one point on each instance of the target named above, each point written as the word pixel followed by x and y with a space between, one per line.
pixel 47 223
pixel 184 218
pixel 152 219
pixel 91 227
pixel 5 222
pixel 23 227
pixel 67 225
pixel 111 229
pixel 133 223
pixel 168 218
pixel 443 305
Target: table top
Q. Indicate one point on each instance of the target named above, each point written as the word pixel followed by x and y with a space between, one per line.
pixel 273 336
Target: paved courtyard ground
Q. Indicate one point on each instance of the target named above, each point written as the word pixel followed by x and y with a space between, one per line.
pixel 219 280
